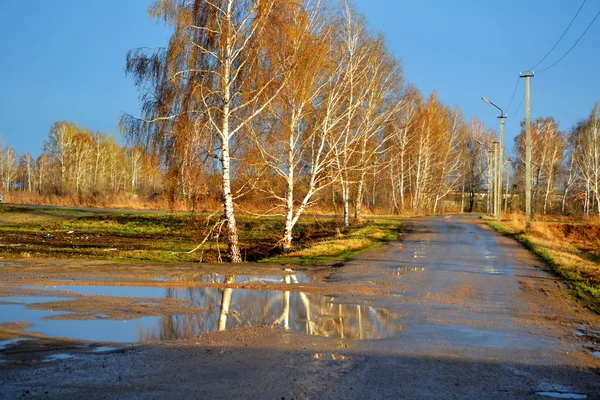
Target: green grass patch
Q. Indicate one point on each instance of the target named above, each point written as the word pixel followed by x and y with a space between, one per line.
pixel 346 243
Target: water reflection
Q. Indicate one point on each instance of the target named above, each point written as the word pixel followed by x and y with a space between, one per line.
pixel 218 309
pixel 233 308
pixel 240 279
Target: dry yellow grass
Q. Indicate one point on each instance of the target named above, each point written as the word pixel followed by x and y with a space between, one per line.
pixel 571 248
pixel 333 248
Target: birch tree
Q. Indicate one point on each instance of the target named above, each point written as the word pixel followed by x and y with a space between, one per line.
pixel 28 170
pixel 8 166
pixel 585 142
pixel 294 137
pixel 59 147
pixel 398 146
pixel 475 159
pixel 363 57
pixel 547 156
pixel 449 155
pixel 383 100
pixel 204 81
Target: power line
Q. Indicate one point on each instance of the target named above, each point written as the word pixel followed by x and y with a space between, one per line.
pixel 513 94
pixel 575 44
pixel 560 38
pixel 520 104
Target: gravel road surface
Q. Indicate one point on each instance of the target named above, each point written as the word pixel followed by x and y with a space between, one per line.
pixel 476 316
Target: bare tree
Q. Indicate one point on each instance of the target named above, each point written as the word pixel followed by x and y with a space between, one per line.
pixel 383 101
pixel 585 143
pixel 474 160
pixel 8 166
pixel 397 151
pixel 28 167
pixel 547 156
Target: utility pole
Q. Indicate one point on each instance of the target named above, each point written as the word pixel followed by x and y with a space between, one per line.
pixel 490 182
pixel 500 168
pixel 527 76
pixel 507 181
pixel 499 163
pixel 495 180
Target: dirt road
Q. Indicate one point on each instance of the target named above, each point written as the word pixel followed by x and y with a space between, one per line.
pixel 474 315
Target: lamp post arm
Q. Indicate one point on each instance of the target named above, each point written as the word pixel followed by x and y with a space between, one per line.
pixel 502 115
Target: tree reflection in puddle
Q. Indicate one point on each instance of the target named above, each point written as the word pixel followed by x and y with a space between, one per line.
pixel 220 309
pixel 233 308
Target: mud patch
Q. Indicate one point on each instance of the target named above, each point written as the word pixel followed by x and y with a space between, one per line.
pixel 32 299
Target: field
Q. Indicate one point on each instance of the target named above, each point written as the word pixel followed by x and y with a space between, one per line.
pixel 571 249
pixel 38 232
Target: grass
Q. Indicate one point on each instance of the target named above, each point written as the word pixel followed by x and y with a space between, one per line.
pixel 347 243
pixel 168 237
pixel 569 249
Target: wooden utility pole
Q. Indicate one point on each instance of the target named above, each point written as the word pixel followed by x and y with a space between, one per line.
pixel 527 76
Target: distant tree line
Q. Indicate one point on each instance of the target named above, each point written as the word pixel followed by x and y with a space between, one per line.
pixel 565 166
pixel 78 162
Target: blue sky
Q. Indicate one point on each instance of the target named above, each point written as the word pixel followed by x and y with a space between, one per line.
pixel 64 59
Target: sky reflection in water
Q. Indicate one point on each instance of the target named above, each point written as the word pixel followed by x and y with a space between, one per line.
pixel 218 309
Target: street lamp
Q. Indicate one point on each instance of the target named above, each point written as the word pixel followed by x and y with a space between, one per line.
pixel 499 196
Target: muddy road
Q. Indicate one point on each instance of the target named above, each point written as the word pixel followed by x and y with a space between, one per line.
pixel 452 310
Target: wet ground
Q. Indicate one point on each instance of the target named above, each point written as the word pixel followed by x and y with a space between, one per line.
pixel 453 310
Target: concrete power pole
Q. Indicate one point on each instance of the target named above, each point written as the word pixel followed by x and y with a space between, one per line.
pixel 495 181
pixel 507 185
pixel 490 182
pixel 499 163
pixel 500 169
pixel 527 76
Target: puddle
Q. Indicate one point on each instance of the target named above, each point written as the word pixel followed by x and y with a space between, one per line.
pixel 21 313
pixel 596 354
pixel 11 264
pixel 104 349
pixel 559 392
pixel 6 343
pixel 60 356
pixel 219 309
pixel 92 330
pixel 33 299
pixel 563 395
pixel 245 279
pixel 259 279
pixel 411 269
pixel 491 270
pixel 329 357
pixel 399 271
